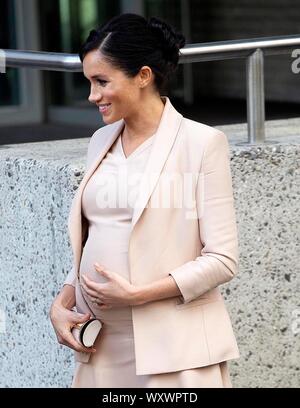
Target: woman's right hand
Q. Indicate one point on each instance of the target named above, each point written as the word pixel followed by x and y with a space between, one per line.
pixel 63 319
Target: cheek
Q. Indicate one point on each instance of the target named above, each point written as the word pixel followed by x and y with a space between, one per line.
pixel 131 95
pixel 108 93
pixel 123 94
pixel 124 97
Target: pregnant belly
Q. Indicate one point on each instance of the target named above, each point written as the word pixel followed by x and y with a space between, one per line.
pixel 108 247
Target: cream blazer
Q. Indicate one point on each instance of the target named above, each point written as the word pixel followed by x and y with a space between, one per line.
pixel 196 243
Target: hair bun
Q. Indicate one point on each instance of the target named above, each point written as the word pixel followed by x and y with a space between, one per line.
pixel 170 40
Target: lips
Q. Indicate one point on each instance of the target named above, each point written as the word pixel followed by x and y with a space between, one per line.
pixel 104 109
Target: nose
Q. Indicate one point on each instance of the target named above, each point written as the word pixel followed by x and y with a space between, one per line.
pixel 94 97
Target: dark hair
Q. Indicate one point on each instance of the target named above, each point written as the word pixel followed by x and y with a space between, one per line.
pixel 129 41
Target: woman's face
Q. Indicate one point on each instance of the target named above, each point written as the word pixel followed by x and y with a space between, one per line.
pixel 111 86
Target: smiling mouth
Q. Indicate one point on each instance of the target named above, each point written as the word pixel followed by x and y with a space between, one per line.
pixel 104 108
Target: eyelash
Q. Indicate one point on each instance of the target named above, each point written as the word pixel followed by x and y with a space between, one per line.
pixel 100 81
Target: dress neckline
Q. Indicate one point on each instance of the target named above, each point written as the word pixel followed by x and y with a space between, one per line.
pixel 138 150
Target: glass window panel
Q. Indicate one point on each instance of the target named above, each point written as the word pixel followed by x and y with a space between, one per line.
pixel 65 25
pixel 9 81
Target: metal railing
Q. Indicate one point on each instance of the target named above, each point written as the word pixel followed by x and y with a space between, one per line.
pixel 253 50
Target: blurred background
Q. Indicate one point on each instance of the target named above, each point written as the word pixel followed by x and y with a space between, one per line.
pixel 210 92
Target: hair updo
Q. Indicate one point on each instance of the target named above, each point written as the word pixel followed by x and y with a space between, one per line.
pixel 129 41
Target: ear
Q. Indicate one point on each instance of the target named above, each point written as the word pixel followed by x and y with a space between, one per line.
pixel 145 76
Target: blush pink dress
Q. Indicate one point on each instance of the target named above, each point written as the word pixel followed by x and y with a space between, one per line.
pixel 107 203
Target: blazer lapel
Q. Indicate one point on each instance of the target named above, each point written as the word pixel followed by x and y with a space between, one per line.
pixel 162 145
pixel 165 137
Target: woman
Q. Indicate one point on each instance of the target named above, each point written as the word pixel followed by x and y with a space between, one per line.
pixel 155 212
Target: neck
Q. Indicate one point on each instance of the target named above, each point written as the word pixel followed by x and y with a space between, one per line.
pixel 144 121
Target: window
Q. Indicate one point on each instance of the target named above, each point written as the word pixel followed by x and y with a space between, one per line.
pixel 65 24
pixel 9 82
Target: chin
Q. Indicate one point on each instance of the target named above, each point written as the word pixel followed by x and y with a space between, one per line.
pixel 111 119
pixel 108 121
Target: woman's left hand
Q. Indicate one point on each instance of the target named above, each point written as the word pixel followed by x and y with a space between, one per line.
pixel 114 293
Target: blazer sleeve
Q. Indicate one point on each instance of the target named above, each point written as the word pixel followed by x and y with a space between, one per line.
pixel 218 262
pixel 91 155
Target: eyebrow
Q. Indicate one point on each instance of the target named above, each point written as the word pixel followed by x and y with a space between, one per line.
pixel 98 76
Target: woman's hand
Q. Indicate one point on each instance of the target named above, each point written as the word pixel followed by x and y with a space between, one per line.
pixel 63 320
pixel 114 293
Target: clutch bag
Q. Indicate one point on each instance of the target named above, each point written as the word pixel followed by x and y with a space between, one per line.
pixel 87 332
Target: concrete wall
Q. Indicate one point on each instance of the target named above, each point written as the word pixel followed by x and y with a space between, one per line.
pixel 38 181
